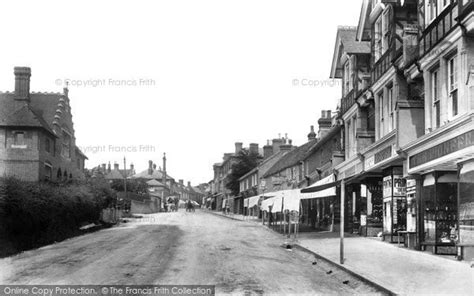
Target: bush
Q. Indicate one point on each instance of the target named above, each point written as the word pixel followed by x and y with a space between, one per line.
pixel 35 214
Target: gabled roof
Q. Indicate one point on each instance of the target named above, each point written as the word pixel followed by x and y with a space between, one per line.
pixel 346 44
pixel 20 114
pixel 113 175
pixel 154 182
pixel 331 134
pixel 364 24
pixel 156 174
pixel 265 165
pixel 290 159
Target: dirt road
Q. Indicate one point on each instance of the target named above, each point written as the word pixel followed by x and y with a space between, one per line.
pixel 181 248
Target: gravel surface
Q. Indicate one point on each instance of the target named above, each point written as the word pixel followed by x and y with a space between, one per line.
pixel 183 248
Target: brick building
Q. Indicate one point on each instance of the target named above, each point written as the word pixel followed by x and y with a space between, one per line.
pixel 37 134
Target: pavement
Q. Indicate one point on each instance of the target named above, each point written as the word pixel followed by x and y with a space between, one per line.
pixel 394 268
pixel 180 248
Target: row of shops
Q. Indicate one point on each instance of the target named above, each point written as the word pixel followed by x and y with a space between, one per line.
pixel 421 197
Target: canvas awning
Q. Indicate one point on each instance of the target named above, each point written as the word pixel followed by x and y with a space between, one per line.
pixel 322 188
pixel 283 200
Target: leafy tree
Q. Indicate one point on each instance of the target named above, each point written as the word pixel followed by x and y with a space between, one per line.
pixel 245 162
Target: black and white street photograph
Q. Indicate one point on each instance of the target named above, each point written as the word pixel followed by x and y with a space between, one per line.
pixel 236 147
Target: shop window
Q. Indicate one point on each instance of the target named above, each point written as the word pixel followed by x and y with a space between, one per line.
pixel 440 206
pixel 466 207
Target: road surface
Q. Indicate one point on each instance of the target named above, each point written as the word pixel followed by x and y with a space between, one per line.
pixel 182 248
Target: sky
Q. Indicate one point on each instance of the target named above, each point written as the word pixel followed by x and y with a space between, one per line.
pixel 185 77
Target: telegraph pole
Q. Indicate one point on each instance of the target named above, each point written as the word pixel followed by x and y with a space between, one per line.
pixel 341 245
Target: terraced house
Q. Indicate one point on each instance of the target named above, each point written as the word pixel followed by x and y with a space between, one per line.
pixel 37 134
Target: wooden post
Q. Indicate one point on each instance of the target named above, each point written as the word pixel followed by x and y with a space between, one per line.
pixel 343 192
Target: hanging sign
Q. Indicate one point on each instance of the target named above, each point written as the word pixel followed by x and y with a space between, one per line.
pixel 387 186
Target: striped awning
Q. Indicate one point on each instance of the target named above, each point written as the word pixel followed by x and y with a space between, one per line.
pixel 322 188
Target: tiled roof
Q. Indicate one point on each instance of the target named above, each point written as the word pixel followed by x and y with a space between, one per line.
pixel 290 159
pixel 19 113
pixel 113 175
pixel 154 182
pixel 347 36
pixel 156 174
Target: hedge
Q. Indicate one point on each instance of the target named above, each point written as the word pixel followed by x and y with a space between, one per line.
pixel 36 214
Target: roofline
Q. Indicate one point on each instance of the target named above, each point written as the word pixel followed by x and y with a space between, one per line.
pixel 335 56
pixel 362 18
pixel 324 140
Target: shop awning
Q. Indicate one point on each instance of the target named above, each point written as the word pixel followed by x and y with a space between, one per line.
pixel 322 188
pixel 252 201
pixel 267 203
pixel 283 200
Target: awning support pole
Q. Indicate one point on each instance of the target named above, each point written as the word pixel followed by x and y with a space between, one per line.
pixel 341 246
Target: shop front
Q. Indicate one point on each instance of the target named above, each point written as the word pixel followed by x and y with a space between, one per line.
pixel 385 190
pixel 394 203
pixel 442 163
pixel 465 246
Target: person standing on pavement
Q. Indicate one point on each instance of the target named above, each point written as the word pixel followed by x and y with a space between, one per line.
pixel 312 216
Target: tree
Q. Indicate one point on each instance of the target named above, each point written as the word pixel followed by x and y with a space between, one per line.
pixel 245 162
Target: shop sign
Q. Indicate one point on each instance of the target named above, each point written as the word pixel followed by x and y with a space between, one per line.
pixel 399 186
pixel 387 186
pixel 369 162
pixel 383 154
pixel 349 172
pixel 455 144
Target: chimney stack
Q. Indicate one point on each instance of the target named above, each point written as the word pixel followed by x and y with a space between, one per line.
pixel 150 167
pixel 276 143
pixel 267 150
pixel 132 167
pixel 109 167
pixel 22 83
pixel 238 147
pixel 189 183
pixel 116 166
pixel 285 147
pixel 312 134
pixel 324 123
pixel 253 148
pixel 181 182
pixel 103 167
pixel 164 169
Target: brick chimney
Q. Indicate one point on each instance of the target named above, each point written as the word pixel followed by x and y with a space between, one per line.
pixel 253 148
pixel 103 167
pixel 132 167
pixel 189 183
pixel 164 169
pixel 410 44
pixel 150 167
pixel 22 83
pixel 276 143
pixel 312 134
pixel 324 123
pixel 181 182
pixel 286 147
pixel 109 167
pixel 267 150
pixel 116 166
pixel 238 147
